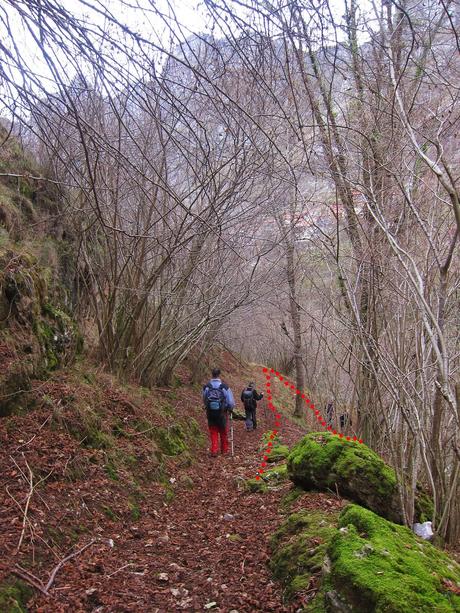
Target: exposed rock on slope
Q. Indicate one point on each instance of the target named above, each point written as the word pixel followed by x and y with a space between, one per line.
pixel 36 334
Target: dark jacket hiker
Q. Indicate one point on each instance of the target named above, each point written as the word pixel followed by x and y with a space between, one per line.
pixel 249 398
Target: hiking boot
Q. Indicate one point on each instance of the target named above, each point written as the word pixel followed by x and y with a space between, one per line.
pixel 213 454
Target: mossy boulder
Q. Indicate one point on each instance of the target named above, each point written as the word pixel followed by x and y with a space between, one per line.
pixel 299 548
pixel 323 461
pixel 362 563
pixel 377 566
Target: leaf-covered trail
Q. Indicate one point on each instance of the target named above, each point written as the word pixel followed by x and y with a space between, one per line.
pixel 210 544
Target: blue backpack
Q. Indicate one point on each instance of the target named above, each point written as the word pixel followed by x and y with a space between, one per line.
pixel 215 398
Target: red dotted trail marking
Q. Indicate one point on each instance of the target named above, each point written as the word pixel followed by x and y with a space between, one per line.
pixel 269 374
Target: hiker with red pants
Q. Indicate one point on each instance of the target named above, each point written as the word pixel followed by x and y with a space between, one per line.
pixel 218 401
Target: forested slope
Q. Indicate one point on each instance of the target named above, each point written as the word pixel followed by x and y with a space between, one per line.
pixel 268 188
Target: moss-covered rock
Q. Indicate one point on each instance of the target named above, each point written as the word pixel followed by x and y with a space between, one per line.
pixel 377 566
pixel 362 563
pixel 276 474
pixel 36 336
pixel 299 548
pixel 323 461
pixel 59 335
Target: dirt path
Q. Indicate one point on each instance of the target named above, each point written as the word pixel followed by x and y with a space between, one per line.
pixel 207 545
pixel 210 544
pixel 217 547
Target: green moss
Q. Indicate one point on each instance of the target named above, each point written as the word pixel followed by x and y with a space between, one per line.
pixel 424 507
pixel 299 547
pixel 62 319
pixel 276 474
pixel 134 509
pixel 96 439
pixel 272 476
pixel 14 596
pixel 144 426
pixel 118 428
pixel 86 426
pixel 256 485
pixel 195 432
pixel 62 537
pixel 380 566
pixel 110 513
pixel 46 338
pixel 288 499
pixel 278 453
pixel 169 494
pixel 187 482
pixel 171 440
pixel 323 461
pixel 111 471
pixel 130 460
pixel 168 411
pixel 59 332
pixel 326 462
pixel 267 438
pixel 298 584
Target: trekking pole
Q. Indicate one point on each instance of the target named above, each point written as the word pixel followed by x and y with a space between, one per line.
pixel 231 432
